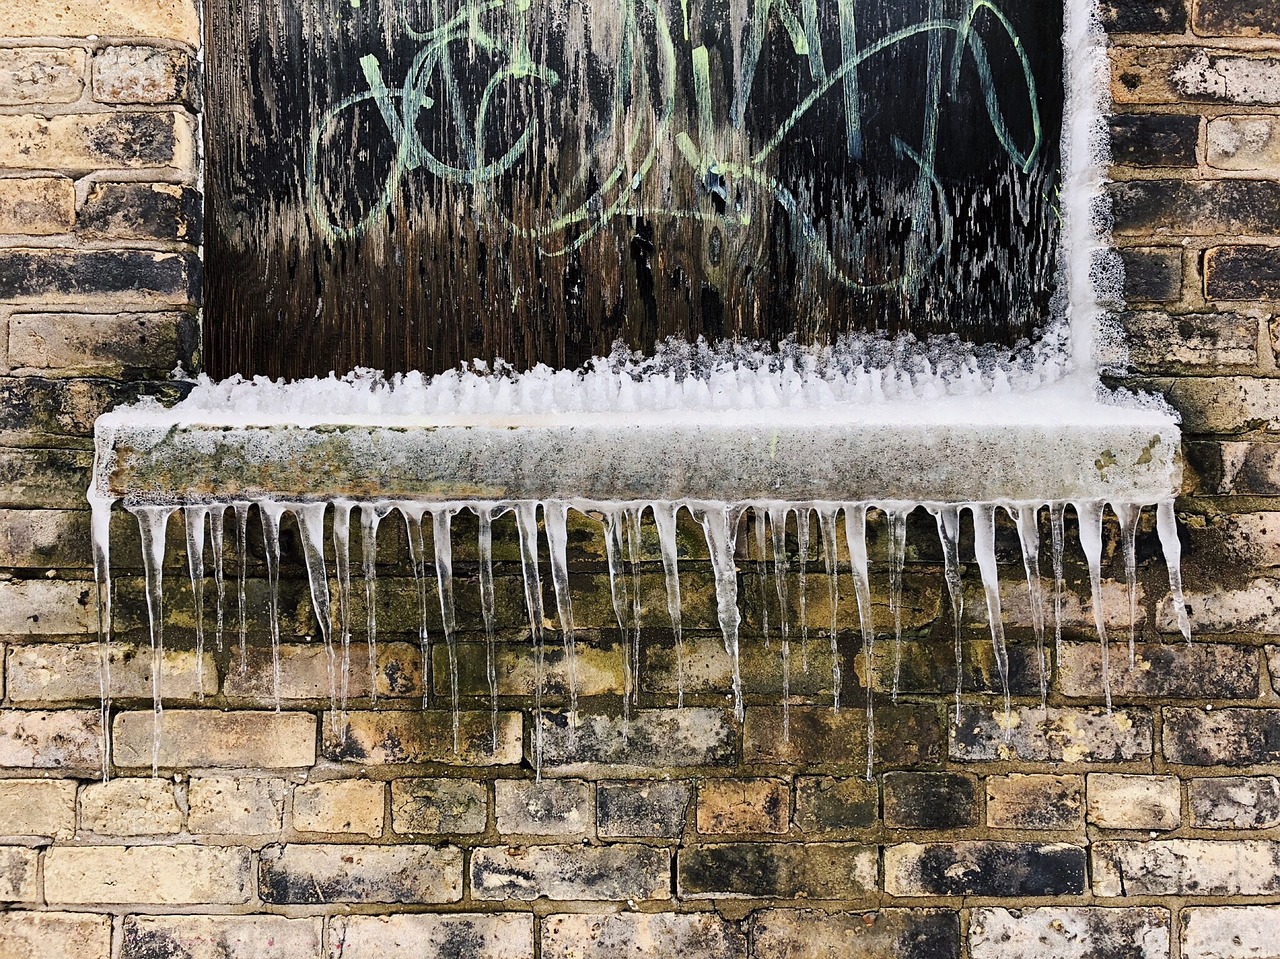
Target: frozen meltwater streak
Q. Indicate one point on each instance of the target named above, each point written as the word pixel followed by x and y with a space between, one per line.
pixel 371 514
pixel 1127 515
pixel 412 514
pixel 613 548
pixel 778 527
pixel 1089 516
pixel 217 529
pixel 441 536
pixel 527 526
pixel 897 520
pixel 153 522
pixel 1057 533
pixel 1027 520
pixel 100 526
pixel 555 518
pixel 802 549
pixel 270 512
pixel 948 520
pixel 855 533
pixel 342 560
pixel 720 526
pixel 631 533
pixel 310 518
pixel 664 517
pixel 242 553
pixel 195 517
pixel 1167 530
pixel 827 533
pixel 488 613
pixel 984 549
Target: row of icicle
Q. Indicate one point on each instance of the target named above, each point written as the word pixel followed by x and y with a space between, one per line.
pixel 720 523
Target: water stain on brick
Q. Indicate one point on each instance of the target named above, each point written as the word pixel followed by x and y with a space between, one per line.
pixel 930 800
pixel 986 869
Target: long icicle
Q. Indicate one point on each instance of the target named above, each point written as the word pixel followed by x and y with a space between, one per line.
pixel 310 518
pixel 527 525
pixel 1167 530
pixel 1057 533
pixel 556 516
pixel 1089 517
pixel 1128 515
pixel 664 516
pixel 631 529
pixel 442 539
pixel 1027 520
pixel 153 522
pixel 242 553
pixel 269 513
pixel 897 519
pixel 488 611
pixel 100 525
pixel 613 548
pixel 412 513
pixel 827 533
pixel 984 549
pixel 342 561
pixel 194 518
pixel 217 543
pixel 778 528
pixel 371 515
pixel 948 520
pixel 855 534
pixel 802 549
pixel 719 525
pixel 761 550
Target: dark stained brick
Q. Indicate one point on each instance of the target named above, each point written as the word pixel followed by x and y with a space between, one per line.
pixel 1154 139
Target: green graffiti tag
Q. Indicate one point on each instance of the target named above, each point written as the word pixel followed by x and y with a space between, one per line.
pixel 699 148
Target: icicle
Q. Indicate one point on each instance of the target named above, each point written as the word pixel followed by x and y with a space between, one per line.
pixel 555 516
pixel 1089 516
pixel 487 609
pixel 984 549
pixel 527 524
pixel 1167 530
pixel 153 521
pixel 269 513
pixel 1058 536
pixel 664 515
pixel 194 518
pixel 1128 514
pixel 802 546
pixel 855 534
pixel 311 525
pixel 613 548
pixel 342 560
pixel 242 551
pixel 897 561
pixel 948 520
pixel 720 526
pixel 217 527
pixel 371 515
pixel 1027 519
pixel 827 532
pixel 412 514
pixel 778 527
pixel 631 528
pixel 100 526
pixel 442 537
pixel 758 526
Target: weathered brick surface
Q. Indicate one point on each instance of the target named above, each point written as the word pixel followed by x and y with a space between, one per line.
pixel 1192 74
pixel 1161 341
pixel 1035 801
pixel 160 875
pixel 243 806
pixel 438 806
pixel 1063 734
pixel 319 873
pixel 1143 16
pixel 778 870
pixel 652 738
pixel 588 936
pixel 1124 801
pixel 1186 867
pixel 130 807
pixel 1229 932
pixel 1235 802
pixel 1235 467
pixel 220 937
pixel 984 868
pixel 38 807
pixel 884 934
pixel 827 804
pixel 619 872
pixel 1161 671
pixel 1071 932
pixel 340 806
pixel 19 875
pixel 37 206
pixel 56 673
pixel 143 74
pixel 931 800
pixel 415 736
pixel 733 806
pixel 1235 18
pixel 501 935
pixel 87 343
pixel 55 935
pixel 564 807
pixel 44 607
pixel 51 739
pixel 84 142
pixel 652 810
pixel 1195 207
pixel 905 736
pixel 1244 142
pixel 304 673
pixel 1221 737
pixel 169 19
pixel 1242 273
pixel 1159 139
pixel 31 75
pixel 1152 274
pixel 141 211
pixel 75 277
pixel 47 479
pixel 205 737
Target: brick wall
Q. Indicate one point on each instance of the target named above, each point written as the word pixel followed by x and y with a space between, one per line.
pixel 1153 832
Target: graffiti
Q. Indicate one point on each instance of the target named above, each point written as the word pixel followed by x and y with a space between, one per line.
pixel 708 143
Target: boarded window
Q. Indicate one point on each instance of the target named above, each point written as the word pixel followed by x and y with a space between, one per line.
pixel 408 184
